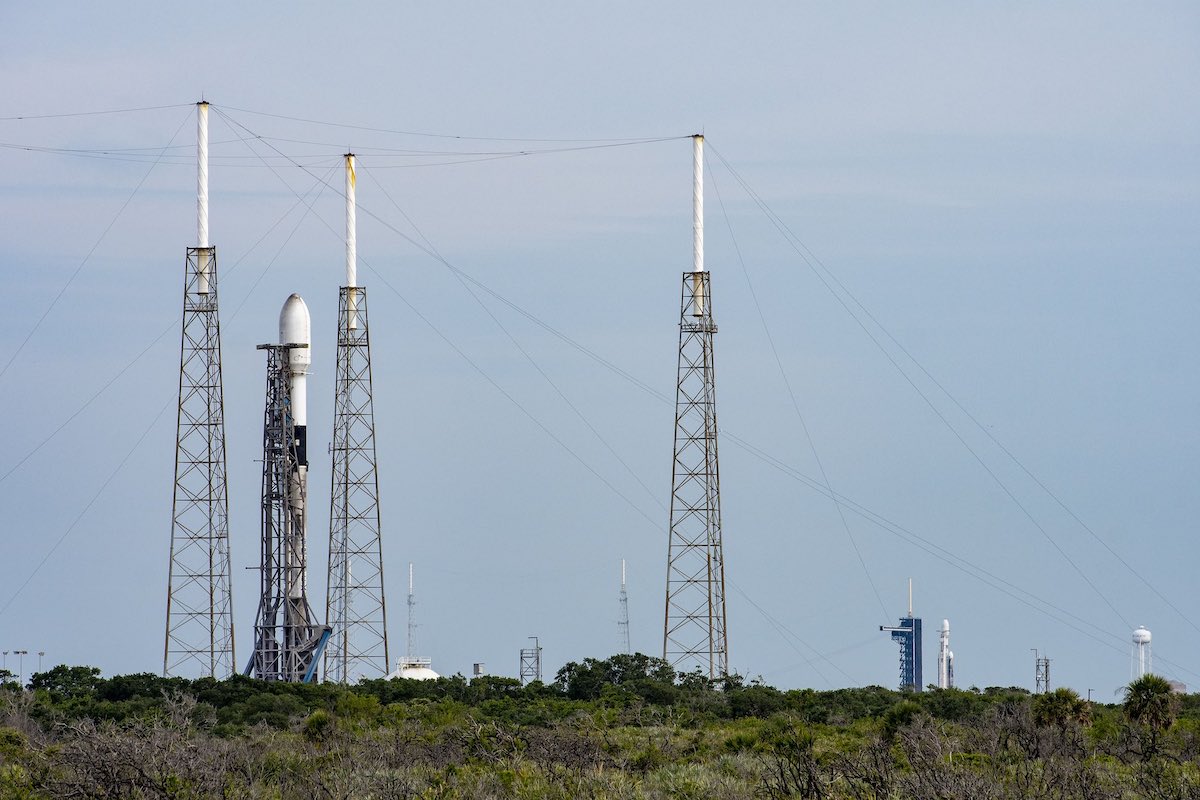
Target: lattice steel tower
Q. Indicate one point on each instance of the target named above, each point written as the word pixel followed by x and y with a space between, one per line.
pixel 355 605
pixel 287 639
pixel 199 631
pixel 694 632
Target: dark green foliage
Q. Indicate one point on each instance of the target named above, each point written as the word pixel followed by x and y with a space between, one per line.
pixel 586 681
pixel 626 726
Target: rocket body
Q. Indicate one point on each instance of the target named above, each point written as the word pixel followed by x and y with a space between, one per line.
pixel 945 658
pixel 295 328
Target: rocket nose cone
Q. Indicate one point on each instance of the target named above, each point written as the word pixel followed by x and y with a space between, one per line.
pixel 295 328
pixel 294 322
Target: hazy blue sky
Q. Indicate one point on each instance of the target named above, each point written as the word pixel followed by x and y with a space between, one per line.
pixel 1010 190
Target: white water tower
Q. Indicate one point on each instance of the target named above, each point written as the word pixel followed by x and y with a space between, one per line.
pixel 1141 653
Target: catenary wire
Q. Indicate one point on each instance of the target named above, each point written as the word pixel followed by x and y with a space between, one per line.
pixel 812 445
pixel 937 412
pixel 37 325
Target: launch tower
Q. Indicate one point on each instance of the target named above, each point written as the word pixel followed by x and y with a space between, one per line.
pixel 908 635
pixel 287 639
pixel 354 602
pixel 199 632
pixel 694 620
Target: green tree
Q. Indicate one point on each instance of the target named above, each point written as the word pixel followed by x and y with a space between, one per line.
pixel 1151 705
pixel 586 680
pixel 63 681
pixel 1060 708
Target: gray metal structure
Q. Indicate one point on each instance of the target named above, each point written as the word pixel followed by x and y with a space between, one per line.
pixel 287 639
pixel 531 662
pixel 694 623
pixel 199 630
pixel 1041 673
pixel 355 605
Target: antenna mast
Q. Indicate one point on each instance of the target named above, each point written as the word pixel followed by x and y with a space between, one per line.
pixel 694 621
pixel 623 622
pixel 355 605
pixel 199 631
pixel 412 620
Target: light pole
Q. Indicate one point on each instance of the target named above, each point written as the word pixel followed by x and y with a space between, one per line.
pixel 40 654
pixel 20 654
pixel 5 665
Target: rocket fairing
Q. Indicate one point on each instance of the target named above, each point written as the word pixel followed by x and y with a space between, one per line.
pixel 295 327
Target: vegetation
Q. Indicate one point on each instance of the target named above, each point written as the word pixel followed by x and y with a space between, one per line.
pixel 623 727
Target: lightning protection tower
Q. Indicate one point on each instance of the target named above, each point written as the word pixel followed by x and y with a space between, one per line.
pixel 354 604
pixel 694 621
pixel 287 640
pixel 199 631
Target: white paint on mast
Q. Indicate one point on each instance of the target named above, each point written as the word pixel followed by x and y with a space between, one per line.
pixel 697 225
pixel 351 246
pixel 412 602
pixel 202 196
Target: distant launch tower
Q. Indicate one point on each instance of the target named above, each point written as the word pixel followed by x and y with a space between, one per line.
pixel 287 639
pixel 694 632
pixel 945 658
pixel 199 633
pixel 354 603
pixel 908 635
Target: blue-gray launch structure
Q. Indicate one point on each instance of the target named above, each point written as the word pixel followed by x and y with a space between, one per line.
pixel 907 633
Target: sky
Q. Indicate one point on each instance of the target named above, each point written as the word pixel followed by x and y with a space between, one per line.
pixel 954 266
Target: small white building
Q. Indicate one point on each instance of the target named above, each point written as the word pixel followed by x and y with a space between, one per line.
pixel 414 669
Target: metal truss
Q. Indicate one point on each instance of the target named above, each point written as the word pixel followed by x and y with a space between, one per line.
pixel 287 641
pixel 531 662
pixel 199 630
pixel 355 606
pixel 694 622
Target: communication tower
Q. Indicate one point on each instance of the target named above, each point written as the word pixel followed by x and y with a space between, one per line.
pixel 288 641
pixel 908 635
pixel 1142 656
pixel 531 662
pixel 623 621
pixel 199 630
pixel 354 605
pixel 694 631
pixel 1041 673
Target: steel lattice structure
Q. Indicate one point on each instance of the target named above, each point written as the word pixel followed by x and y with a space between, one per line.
pixel 694 622
pixel 199 632
pixel 355 606
pixel 287 640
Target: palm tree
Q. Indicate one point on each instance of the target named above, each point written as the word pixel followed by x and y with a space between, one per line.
pixel 1061 708
pixel 1151 705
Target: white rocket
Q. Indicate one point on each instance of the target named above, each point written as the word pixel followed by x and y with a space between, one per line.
pixel 295 328
pixel 945 658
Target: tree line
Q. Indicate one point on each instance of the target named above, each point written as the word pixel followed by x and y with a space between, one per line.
pixel 628 726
